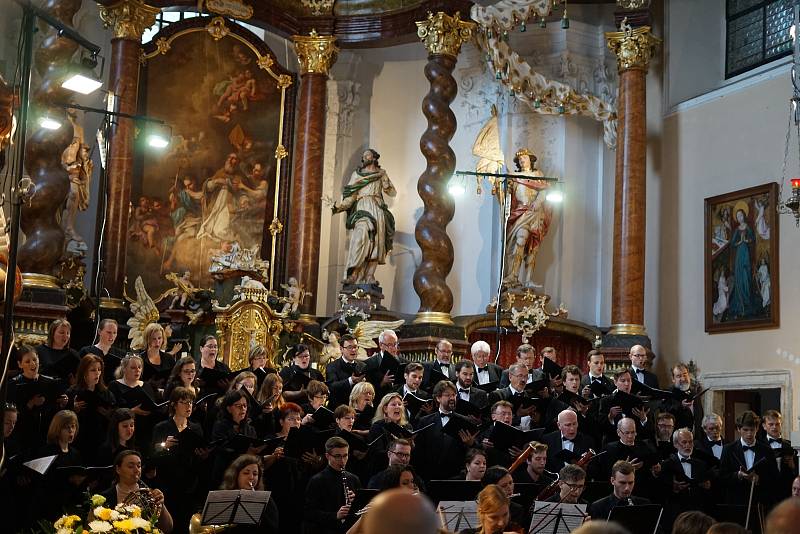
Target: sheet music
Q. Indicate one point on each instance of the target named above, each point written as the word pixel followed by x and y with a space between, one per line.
pixel 556 518
pixel 249 505
pixel 458 515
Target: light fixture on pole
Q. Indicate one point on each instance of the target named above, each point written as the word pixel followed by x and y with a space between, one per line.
pixel 791 206
pixel 82 77
pixel 49 123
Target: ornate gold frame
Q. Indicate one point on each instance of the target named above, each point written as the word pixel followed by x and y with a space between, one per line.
pixel 218 29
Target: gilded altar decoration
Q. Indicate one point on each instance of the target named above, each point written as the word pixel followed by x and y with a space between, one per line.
pixel 319 7
pixel 316 53
pixel 144 312
pixel 249 320
pixel 541 94
pixel 633 4
pixel 443 34
pixel 206 205
pixel 533 317
pixel 229 8
pixel 128 18
pixel 633 47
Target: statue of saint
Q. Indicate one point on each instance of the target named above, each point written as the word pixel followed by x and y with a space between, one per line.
pixel 528 223
pixel 77 161
pixel 370 223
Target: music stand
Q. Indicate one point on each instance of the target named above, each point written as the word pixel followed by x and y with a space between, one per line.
pixel 638 518
pixel 236 507
pixel 458 515
pixel 556 518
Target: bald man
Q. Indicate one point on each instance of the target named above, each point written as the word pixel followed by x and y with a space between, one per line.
pixel 398 511
pixel 784 518
pixel 638 356
pixel 568 436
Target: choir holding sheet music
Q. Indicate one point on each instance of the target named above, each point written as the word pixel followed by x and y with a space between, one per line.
pixel 448 428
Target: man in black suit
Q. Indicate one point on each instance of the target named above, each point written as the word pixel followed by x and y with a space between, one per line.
pixel 566 437
pixel 638 356
pixel 465 374
pixel 518 374
pixel 709 439
pixel 609 413
pixel 597 368
pixel 536 472
pixel 413 378
pixel 342 374
pixel 325 507
pixel 399 453
pixel 443 363
pixel 485 371
pixel 688 413
pixel 746 460
pixel 438 454
pixel 526 355
pixel 638 453
pixel 623 478
pixel 684 481
pixel 383 382
pixel 785 460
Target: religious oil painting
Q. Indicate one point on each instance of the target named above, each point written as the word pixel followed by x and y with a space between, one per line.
pixel 212 192
pixel 741 260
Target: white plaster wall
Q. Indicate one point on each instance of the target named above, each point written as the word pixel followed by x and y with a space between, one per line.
pixel 733 142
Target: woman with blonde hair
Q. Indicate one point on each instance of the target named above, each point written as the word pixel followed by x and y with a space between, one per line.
pixel 129 376
pixel 270 396
pixel 59 491
pixel 362 398
pixel 492 511
pixel 157 362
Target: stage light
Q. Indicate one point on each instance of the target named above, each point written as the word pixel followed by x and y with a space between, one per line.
pixel 456 188
pixel 159 135
pixel 49 123
pixel 157 141
pixel 82 78
pixel 555 197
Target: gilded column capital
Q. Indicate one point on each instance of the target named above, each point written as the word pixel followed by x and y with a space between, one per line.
pixel 443 34
pixel 316 53
pixel 128 18
pixel 633 47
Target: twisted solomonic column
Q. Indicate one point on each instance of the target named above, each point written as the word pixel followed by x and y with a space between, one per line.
pixel 44 243
pixel 443 36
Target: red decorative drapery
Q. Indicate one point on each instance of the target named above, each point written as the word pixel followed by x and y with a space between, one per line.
pixel 571 349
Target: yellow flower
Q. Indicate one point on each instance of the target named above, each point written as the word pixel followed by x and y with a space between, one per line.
pixel 71 520
pixel 126 525
pixel 98 500
pixel 102 513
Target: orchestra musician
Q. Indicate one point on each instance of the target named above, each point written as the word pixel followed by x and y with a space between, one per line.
pixel 623 478
pixel 330 492
pixel 493 511
pixel 246 473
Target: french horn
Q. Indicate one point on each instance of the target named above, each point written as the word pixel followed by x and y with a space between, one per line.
pixel 143 498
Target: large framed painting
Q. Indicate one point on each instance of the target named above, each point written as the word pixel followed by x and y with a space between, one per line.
pixel 741 260
pixel 222 184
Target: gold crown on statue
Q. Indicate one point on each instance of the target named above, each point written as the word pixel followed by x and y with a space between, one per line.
pixel 526 152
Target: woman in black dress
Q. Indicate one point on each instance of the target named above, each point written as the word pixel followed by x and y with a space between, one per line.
pixel 270 396
pixel 184 374
pixel 120 436
pixel 129 378
pixel 297 375
pixel 37 398
pixel 179 447
pixel 106 335
pixel 56 358
pixel 218 383
pixel 93 402
pixel 232 420
pixel 157 363
pixel 247 473
pixel 59 491
pixel 362 400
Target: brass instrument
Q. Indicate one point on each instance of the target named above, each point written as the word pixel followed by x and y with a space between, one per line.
pixel 143 498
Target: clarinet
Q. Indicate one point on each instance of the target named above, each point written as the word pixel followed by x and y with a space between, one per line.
pixel 346 488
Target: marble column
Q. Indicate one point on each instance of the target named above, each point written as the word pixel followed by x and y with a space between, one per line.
pixel 128 19
pixel 634 48
pixel 316 54
pixel 443 36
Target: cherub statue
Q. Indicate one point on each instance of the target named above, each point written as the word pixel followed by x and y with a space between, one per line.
pixel 184 289
pixel 331 351
pixel 295 295
pixel 144 312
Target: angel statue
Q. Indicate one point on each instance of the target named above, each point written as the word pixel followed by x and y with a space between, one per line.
pixel 183 290
pixel 366 332
pixel 528 223
pixel 77 161
pixel 295 296
pixel 144 312
pixel 332 350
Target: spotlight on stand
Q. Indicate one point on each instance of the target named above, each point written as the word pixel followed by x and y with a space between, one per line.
pixel 82 78
pixel 49 123
pixel 159 135
pixel 456 186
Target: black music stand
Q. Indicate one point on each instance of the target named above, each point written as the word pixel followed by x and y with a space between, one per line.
pixel 234 507
pixel 640 518
pixel 458 515
pixel 556 518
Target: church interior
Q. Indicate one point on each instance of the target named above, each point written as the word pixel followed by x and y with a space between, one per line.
pixel 588 177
